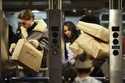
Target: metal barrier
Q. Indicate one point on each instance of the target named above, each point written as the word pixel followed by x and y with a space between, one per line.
pixel 43 79
pixel 25 79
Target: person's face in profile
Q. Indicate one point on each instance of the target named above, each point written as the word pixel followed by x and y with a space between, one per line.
pixel 26 23
pixel 67 32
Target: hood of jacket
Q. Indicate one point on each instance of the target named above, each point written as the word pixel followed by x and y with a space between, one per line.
pixel 41 26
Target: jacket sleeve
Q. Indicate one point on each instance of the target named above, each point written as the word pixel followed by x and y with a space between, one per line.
pixel 41 37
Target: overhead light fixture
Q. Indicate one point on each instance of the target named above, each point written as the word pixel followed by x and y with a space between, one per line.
pixel 74 10
pixel 35 11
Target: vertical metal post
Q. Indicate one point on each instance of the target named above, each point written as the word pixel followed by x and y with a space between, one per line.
pixel 0 36
pixel 0 4
pixel 115 27
pixel 55 31
pixel 3 42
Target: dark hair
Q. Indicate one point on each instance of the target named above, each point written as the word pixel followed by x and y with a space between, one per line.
pixel 26 14
pixel 90 19
pixel 83 71
pixel 74 32
pixel 82 56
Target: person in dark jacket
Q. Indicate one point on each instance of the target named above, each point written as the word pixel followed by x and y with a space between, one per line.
pixel 35 31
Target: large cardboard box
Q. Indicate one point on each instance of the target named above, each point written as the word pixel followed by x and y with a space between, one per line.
pixel 104 50
pixel 90 45
pixel 27 55
pixel 94 30
pixel 76 49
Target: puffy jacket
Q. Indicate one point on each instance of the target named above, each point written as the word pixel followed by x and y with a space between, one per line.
pixel 38 31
